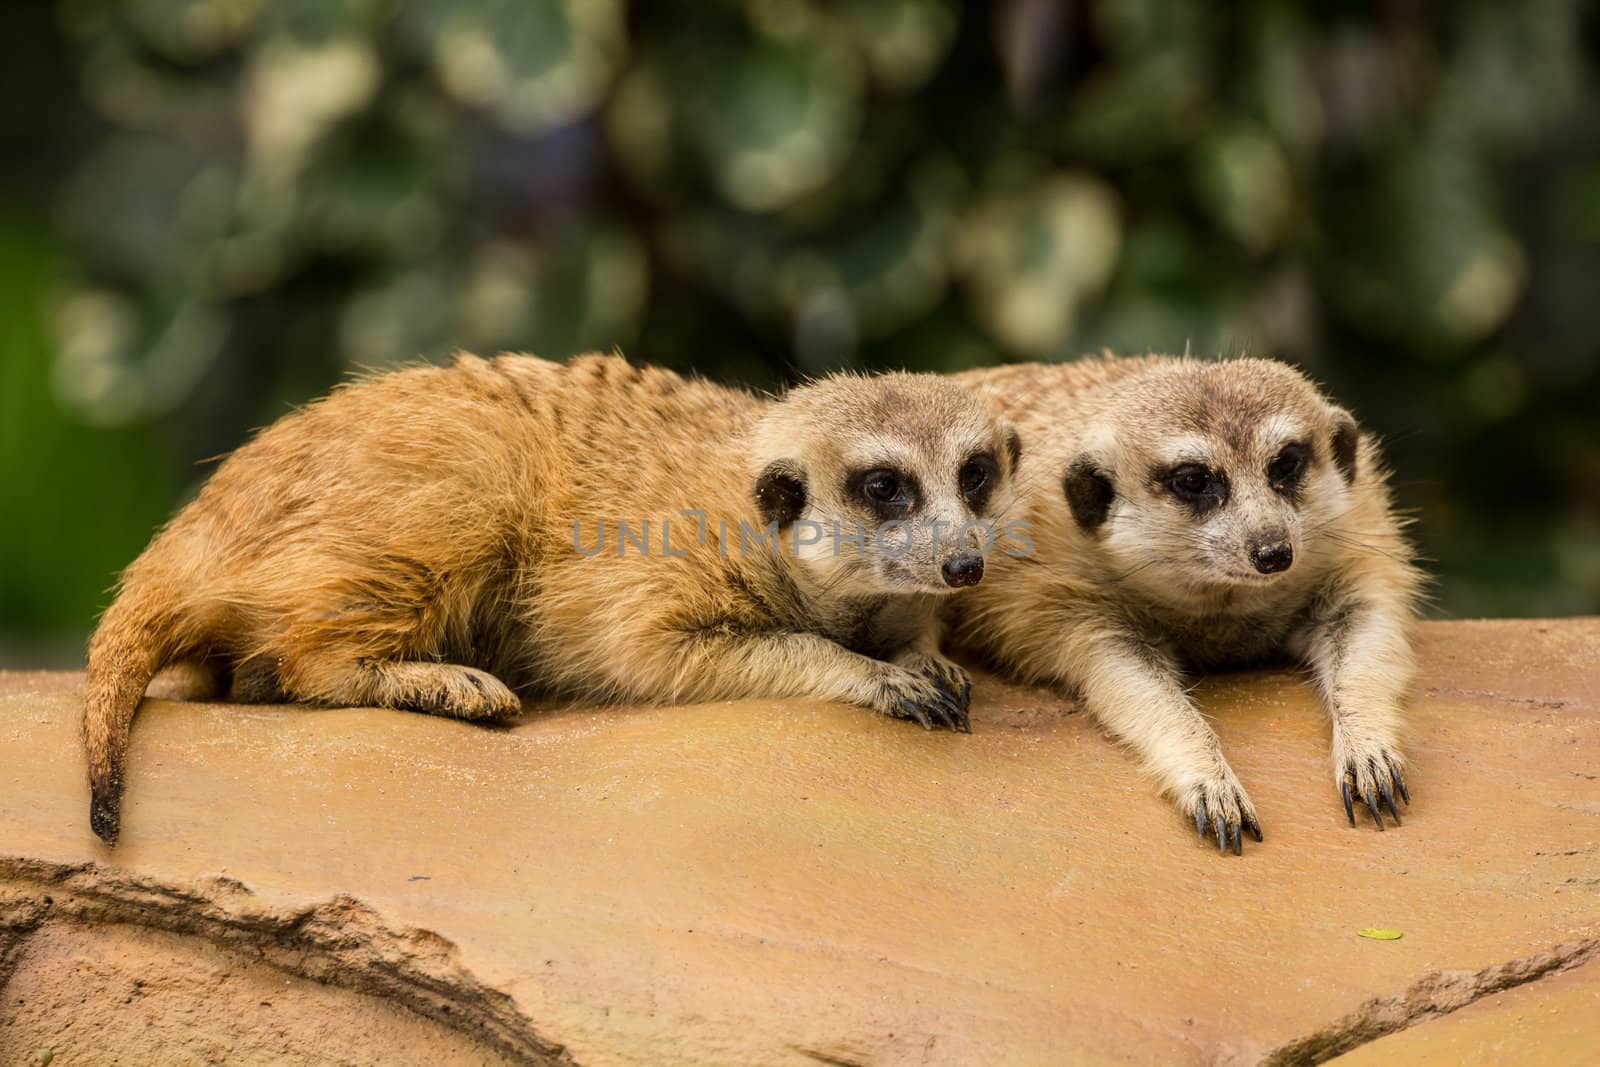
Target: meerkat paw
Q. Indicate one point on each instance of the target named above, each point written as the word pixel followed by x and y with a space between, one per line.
pixel 1372 773
pixel 453 691
pixel 1221 808
pixel 903 693
pixel 949 678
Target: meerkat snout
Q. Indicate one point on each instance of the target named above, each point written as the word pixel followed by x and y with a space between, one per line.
pixel 1272 556
pixel 962 569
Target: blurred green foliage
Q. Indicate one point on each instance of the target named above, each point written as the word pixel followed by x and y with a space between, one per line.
pixel 230 203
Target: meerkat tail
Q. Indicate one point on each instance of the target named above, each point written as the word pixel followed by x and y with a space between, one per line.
pixel 133 641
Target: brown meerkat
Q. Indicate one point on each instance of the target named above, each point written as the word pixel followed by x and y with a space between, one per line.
pixel 1187 514
pixel 441 539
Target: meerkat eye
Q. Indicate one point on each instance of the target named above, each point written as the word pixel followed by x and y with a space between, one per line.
pixel 1284 472
pixel 881 486
pixel 891 494
pixel 1190 481
pixel 976 478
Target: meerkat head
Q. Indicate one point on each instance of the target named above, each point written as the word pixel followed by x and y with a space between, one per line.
pixel 889 484
pixel 1214 476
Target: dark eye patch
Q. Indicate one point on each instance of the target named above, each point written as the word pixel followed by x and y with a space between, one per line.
pixel 1288 468
pixel 780 494
pixel 889 493
pixel 977 479
pixel 1089 493
pixel 1194 485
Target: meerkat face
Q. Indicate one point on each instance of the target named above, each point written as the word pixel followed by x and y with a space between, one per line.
pixel 1218 477
pixel 892 484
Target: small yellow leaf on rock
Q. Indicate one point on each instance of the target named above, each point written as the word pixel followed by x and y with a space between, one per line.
pixel 1380 935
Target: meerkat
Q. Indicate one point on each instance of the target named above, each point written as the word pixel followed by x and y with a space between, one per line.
pixel 444 539
pixel 1187 514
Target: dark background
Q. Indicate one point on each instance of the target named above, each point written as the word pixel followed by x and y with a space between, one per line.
pixel 211 210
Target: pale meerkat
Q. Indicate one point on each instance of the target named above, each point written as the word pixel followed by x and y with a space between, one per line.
pixel 441 539
pixel 1186 514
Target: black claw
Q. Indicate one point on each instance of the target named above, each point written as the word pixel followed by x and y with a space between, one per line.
pixel 909 710
pixel 1349 811
pixel 955 714
pixel 1200 819
pixel 1253 826
pixel 1400 784
pixel 1236 833
pixel 1222 841
pixel 1372 806
pixel 1388 797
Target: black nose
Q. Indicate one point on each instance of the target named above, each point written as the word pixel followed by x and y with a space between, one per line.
pixel 1270 559
pixel 963 569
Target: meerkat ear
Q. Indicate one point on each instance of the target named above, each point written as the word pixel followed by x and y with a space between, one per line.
pixel 1089 492
pixel 1013 447
pixel 780 493
pixel 1345 439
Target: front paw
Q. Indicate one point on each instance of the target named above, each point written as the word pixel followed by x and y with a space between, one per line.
pixel 949 678
pixel 1221 808
pixel 1372 773
pixel 453 691
pixel 903 693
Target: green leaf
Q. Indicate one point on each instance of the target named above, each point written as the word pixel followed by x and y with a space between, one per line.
pixel 764 119
pixel 190 30
pixel 1243 179
pixel 533 65
pixel 904 40
pixel 1380 935
pixel 1036 249
pixel 1416 250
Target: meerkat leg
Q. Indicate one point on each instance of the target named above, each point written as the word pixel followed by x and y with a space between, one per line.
pixel 922 656
pixel 1134 691
pixel 195 679
pixel 255 681
pixel 726 666
pixel 1360 654
pixel 448 689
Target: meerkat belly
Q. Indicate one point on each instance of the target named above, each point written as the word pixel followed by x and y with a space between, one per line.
pixel 1227 640
pixel 877 626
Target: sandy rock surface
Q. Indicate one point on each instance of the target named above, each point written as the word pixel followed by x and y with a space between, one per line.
pixel 770 883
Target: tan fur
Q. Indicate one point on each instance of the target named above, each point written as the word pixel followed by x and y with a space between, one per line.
pixel 1117 612
pixel 409 542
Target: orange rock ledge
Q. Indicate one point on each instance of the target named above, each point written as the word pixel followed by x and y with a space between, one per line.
pixel 793 883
